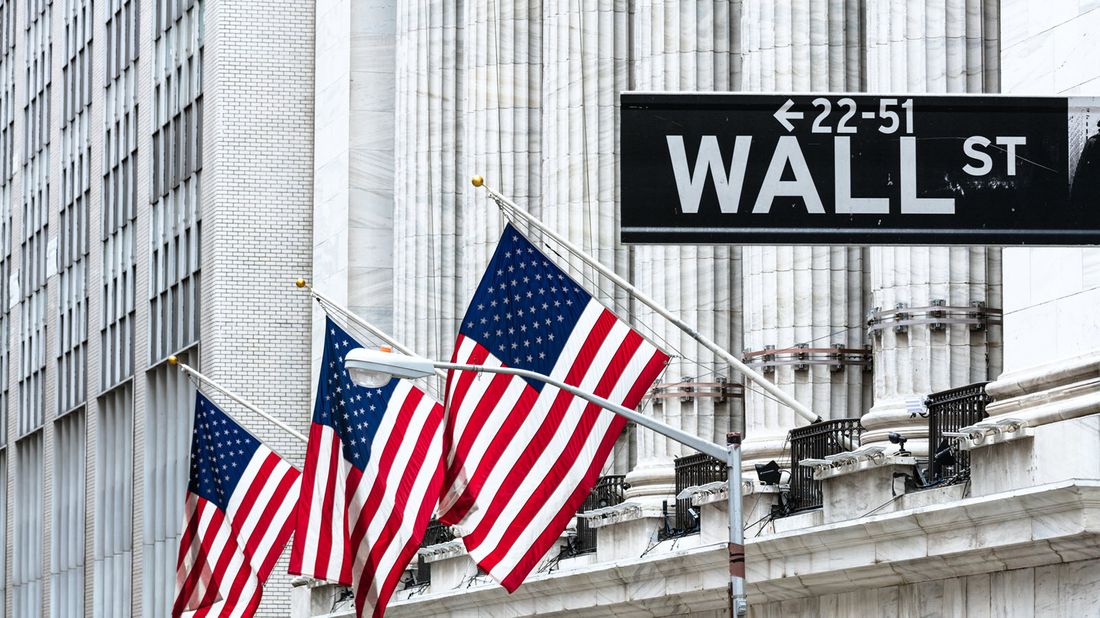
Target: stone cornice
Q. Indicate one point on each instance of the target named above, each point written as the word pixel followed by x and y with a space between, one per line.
pixel 1047 524
pixel 1038 525
pixel 1036 396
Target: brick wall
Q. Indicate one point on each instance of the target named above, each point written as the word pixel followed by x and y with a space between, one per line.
pixel 257 201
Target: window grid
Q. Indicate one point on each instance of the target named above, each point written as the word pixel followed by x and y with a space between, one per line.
pixel 119 195
pixel 170 400
pixel 27 551
pixel 73 215
pixel 36 199
pixel 114 500
pixel 7 149
pixel 176 179
pixel 67 534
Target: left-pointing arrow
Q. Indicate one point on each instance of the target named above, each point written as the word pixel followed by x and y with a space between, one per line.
pixel 785 116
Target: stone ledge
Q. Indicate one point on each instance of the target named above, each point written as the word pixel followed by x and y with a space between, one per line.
pixel 442 551
pixel 669 583
pixel 1044 394
pixel 1062 372
pixel 851 462
pixel 618 514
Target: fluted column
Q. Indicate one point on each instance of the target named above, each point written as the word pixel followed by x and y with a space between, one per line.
pixel 502 75
pixel 802 295
pixel 429 183
pixel 930 46
pixel 687 45
pixel 585 66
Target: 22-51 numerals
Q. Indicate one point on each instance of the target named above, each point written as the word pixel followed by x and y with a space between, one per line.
pixel 888 114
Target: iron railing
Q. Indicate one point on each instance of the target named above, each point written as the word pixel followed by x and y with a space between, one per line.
pixel 951 410
pixel 815 442
pixel 435 534
pixel 692 471
pixel 607 492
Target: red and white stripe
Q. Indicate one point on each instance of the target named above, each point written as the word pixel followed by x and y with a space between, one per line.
pixel 225 557
pixel 521 461
pixel 362 528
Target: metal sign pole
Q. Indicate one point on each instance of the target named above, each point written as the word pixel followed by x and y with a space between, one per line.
pixel 738 603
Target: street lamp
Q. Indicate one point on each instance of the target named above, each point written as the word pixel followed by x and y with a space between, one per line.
pixel 374 368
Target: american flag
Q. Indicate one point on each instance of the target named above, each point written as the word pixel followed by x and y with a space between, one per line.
pixel 523 455
pixel 238 517
pixel 374 466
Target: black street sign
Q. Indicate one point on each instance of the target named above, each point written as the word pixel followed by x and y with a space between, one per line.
pixel 856 169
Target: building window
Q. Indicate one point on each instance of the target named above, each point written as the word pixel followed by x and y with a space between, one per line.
pixel 35 232
pixel 176 177
pixel 120 162
pixel 72 337
pixel 27 553
pixel 67 534
pixel 114 502
pixel 7 148
pixel 169 403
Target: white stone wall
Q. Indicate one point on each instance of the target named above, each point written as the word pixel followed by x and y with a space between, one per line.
pixel 1050 294
pixel 1049 591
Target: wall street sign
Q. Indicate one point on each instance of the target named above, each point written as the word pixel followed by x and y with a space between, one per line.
pixel 860 169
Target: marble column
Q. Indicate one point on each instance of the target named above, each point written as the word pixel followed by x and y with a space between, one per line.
pixel 428 176
pixel 930 46
pixel 585 66
pixel 802 295
pixel 500 52
pixel 686 45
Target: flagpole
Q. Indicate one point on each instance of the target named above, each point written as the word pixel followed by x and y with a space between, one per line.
pixel 184 367
pixel 508 205
pixel 374 330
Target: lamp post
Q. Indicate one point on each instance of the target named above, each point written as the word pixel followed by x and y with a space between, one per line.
pixel 375 368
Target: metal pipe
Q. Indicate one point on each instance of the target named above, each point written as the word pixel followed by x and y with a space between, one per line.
pixel 184 367
pixel 674 433
pixel 506 205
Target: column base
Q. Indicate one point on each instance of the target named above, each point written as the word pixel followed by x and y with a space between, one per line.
pixel 652 483
pixel 901 417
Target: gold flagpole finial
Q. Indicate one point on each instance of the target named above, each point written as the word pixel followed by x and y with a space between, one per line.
pixel 477 181
pixel 300 282
pixel 172 360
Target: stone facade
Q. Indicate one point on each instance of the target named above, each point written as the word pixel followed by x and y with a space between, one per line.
pixel 1017 539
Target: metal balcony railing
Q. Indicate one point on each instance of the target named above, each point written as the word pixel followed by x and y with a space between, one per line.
pixel 435 534
pixel 607 492
pixel 815 442
pixel 692 471
pixel 948 411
